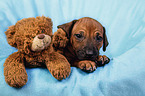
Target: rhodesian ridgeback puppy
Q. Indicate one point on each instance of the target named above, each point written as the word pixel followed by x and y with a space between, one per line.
pixel 80 41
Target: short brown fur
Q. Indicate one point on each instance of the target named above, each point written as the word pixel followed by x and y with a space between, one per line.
pixel 83 40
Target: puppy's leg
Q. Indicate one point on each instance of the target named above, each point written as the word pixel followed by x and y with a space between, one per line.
pixel 59 40
pixel 102 60
pixel 86 65
pixel 14 71
pixel 58 66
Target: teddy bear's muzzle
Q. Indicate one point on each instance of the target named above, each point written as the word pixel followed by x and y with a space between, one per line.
pixel 41 36
pixel 40 42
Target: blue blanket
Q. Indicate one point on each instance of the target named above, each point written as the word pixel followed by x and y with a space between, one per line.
pixel 124 21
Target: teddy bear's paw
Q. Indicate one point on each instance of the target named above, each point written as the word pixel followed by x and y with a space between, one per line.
pixel 16 80
pixel 60 40
pixel 61 73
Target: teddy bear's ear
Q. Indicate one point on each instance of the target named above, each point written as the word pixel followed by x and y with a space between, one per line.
pixel 10 33
pixel 49 20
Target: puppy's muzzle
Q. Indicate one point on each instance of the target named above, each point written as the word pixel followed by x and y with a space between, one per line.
pixel 87 53
pixel 91 53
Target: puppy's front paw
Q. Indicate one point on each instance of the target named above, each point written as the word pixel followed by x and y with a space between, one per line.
pixel 61 72
pixel 102 60
pixel 88 66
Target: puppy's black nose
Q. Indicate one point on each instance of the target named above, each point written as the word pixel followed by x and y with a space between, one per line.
pixel 41 36
pixel 89 53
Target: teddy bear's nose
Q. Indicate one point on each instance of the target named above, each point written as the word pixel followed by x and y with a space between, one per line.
pixel 41 36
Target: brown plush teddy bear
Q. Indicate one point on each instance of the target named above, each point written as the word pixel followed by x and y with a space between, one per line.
pixel 32 38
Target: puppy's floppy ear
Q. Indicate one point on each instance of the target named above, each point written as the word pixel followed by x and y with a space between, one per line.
pixel 10 33
pixel 105 41
pixel 67 27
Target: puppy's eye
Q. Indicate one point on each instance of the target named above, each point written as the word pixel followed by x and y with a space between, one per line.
pixel 99 38
pixel 78 35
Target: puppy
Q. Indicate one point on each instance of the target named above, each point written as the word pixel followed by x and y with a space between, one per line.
pixel 80 41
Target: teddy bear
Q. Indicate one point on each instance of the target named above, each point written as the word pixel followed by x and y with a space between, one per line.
pixel 33 39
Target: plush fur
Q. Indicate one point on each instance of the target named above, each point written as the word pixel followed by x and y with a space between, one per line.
pixel 32 38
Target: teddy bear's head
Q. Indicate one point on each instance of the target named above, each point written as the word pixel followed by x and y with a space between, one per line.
pixel 30 34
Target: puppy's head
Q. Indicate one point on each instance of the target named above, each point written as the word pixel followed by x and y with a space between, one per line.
pixel 86 37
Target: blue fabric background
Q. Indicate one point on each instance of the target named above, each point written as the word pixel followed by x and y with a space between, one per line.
pixel 124 21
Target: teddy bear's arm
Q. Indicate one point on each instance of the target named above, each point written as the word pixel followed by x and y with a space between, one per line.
pixel 14 70
pixel 59 40
pixel 58 65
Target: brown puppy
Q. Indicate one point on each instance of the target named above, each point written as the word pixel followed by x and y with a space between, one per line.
pixel 80 41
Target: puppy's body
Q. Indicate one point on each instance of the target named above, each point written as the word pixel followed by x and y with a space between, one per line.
pixel 85 38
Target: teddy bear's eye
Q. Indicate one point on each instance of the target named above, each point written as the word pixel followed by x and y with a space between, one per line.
pixel 42 31
pixel 27 36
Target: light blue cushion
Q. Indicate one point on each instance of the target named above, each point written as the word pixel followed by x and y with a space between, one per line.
pixel 124 21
